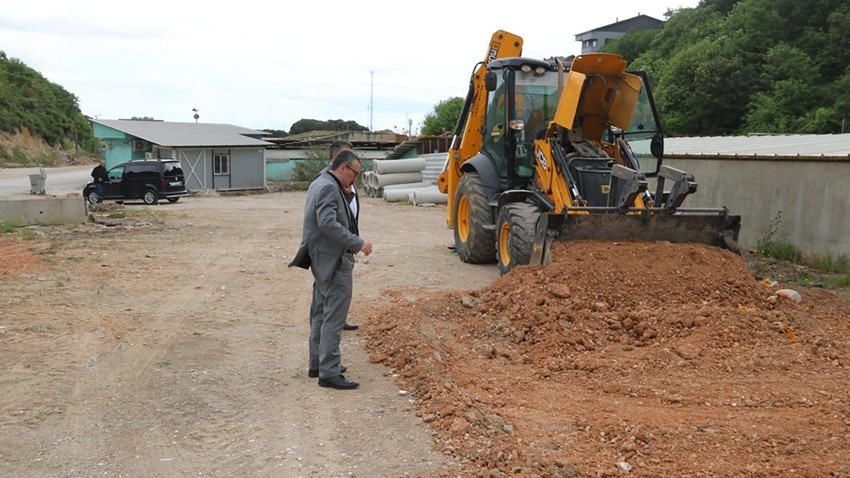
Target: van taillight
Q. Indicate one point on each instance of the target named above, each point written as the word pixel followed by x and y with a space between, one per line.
pixel 163 184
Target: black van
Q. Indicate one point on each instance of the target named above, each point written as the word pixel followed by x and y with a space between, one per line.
pixel 147 179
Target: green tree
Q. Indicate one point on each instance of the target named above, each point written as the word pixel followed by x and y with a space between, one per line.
pixel 340 125
pixel 836 49
pixel 631 45
pixel 276 133
pixel 444 117
pixel 840 90
pixel 307 125
pixel 785 105
pixel 705 89
pixel 722 6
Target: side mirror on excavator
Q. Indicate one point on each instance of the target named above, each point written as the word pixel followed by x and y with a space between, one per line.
pixel 490 81
pixel 656 146
pixel 649 164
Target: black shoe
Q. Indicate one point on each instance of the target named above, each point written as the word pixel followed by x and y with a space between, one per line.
pixel 338 382
pixel 350 326
pixel 313 373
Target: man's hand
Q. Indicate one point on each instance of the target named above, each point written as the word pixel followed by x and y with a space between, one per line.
pixel 347 189
pixel 367 248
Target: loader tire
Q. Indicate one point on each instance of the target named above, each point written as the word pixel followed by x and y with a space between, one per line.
pixel 473 241
pixel 515 235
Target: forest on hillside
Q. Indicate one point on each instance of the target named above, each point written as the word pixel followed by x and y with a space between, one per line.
pixel 29 100
pixel 748 66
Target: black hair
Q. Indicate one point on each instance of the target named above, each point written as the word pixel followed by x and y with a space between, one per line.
pixel 338 146
pixel 344 158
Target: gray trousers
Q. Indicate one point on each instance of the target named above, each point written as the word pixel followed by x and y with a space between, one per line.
pixel 328 311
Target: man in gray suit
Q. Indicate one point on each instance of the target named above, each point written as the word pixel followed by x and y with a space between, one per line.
pixel 352 198
pixel 329 240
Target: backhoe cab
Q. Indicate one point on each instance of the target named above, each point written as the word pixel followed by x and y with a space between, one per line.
pixel 562 149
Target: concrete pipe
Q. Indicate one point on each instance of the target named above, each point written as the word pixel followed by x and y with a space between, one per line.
pixel 368 178
pixel 420 184
pixel 389 166
pixel 392 195
pixel 428 196
pixel 398 178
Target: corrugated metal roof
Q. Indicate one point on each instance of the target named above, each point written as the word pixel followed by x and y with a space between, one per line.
pixel 818 146
pixel 182 135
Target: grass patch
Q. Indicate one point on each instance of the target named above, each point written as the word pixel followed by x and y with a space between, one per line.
pixel 163 363
pixel 28 234
pixel 6 227
pixel 839 282
pixel 834 264
pixel 784 251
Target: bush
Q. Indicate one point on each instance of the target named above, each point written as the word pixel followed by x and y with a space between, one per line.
pixel 306 169
pixel 766 241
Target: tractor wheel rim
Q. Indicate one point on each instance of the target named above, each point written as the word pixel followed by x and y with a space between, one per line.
pixel 463 218
pixel 504 250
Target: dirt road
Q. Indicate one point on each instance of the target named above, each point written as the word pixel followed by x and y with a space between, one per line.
pixel 173 343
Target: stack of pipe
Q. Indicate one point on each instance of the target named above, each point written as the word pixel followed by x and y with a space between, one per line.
pixel 401 180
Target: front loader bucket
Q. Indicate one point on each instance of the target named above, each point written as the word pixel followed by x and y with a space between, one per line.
pixel 716 230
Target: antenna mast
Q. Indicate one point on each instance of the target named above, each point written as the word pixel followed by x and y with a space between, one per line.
pixel 372 101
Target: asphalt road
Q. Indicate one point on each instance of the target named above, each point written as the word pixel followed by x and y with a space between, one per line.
pixel 59 181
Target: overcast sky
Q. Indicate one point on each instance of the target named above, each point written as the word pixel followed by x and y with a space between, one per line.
pixel 268 64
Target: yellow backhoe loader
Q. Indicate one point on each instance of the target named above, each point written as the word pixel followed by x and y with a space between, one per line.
pixel 562 149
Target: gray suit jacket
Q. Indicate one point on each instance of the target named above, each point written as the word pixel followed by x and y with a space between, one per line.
pixel 327 229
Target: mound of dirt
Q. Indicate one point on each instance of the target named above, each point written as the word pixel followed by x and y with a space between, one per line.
pixel 649 359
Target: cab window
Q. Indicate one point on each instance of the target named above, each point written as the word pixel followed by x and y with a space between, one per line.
pixel 116 173
pixel 535 102
pixel 495 135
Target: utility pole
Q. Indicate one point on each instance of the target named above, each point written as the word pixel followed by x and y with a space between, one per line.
pixel 372 101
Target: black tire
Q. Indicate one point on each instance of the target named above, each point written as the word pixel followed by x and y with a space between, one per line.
pixel 150 197
pixel 473 242
pixel 173 199
pixel 91 196
pixel 515 235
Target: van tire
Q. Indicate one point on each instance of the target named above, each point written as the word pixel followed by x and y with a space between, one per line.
pixel 91 196
pixel 151 196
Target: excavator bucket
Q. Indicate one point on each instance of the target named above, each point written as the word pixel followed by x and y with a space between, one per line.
pixel 718 230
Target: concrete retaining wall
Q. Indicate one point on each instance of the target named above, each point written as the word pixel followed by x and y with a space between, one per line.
pixel 811 196
pixel 44 210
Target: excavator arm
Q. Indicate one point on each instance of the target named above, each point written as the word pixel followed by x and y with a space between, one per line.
pixel 468 138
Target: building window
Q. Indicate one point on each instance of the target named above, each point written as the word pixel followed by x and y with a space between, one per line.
pixel 221 164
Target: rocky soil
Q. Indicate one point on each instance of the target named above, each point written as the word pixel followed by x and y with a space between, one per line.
pixel 635 359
